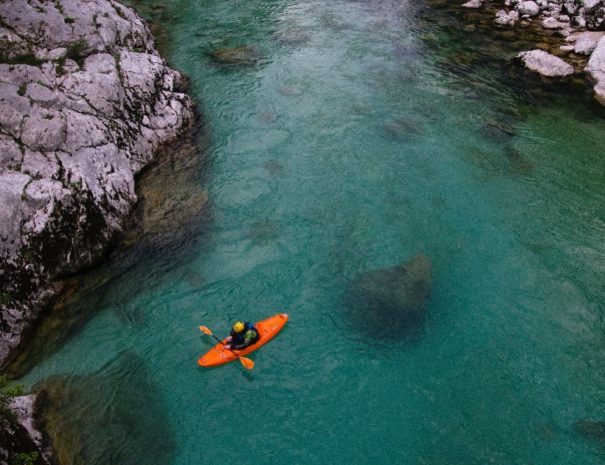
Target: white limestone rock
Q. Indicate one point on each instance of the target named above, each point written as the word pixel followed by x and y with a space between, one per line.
pixel 529 8
pixel 504 18
pixel 586 42
pixel 552 23
pixel 596 69
pixel 80 116
pixel 591 5
pixel 23 408
pixel 545 64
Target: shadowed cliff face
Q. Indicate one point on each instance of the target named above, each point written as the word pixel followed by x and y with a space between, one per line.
pixel 390 302
pixel 125 423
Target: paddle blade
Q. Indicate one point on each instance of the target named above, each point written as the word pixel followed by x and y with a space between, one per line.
pixel 249 364
pixel 205 330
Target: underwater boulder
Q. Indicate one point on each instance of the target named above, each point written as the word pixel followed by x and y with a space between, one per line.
pixel 403 129
pixel 591 429
pixel 234 56
pixel 115 415
pixel 292 35
pixel 391 302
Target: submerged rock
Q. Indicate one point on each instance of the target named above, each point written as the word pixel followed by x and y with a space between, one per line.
pixel 114 416
pixel 591 429
pixel 403 129
pixel 498 130
pixel 545 64
pixel 273 167
pixel 235 56
pixel 390 302
pixel 292 35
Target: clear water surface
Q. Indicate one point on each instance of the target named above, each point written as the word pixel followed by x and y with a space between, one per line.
pixel 363 133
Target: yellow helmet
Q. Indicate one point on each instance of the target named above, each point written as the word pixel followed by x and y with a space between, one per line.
pixel 238 327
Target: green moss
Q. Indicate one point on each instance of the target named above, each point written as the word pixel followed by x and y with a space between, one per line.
pixel 8 390
pixel 76 51
pixel 60 66
pixel 59 7
pixel 22 89
pixel 5 298
pixel 26 59
pixel 25 458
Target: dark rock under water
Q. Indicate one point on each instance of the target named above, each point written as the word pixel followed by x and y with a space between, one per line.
pixel 234 56
pixel 390 303
pixel 591 429
pixel 125 422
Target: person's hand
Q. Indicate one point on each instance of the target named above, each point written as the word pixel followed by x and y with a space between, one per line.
pixel 228 338
pixel 227 346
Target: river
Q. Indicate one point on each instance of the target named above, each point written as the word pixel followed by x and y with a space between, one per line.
pixel 356 135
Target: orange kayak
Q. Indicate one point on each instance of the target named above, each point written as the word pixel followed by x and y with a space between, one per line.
pixel 267 328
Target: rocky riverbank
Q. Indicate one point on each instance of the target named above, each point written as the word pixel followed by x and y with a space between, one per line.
pixel 579 23
pixel 86 103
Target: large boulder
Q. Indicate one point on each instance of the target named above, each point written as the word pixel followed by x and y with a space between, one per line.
pixel 390 302
pixel 545 64
pixel 586 42
pixel 86 102
pixel 528 8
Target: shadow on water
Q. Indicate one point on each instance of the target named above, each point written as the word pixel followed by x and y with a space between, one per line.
pixel 166 228
pixel 121 401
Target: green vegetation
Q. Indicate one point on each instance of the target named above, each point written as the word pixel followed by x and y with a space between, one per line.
pixel 69 20
pixel 25 458
pixel 59 7
pixel 5 298
pixel 22 89
pixel 8 390
pixel 76 51
pixel 26 59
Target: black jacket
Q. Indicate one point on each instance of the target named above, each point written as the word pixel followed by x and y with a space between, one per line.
pixel 244 338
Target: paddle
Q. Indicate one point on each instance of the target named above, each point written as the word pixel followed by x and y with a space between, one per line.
pixel 249 364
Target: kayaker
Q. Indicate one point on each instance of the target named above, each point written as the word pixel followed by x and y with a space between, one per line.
pixel 243 334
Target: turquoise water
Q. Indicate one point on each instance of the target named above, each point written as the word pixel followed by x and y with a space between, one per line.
pixel 372 132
